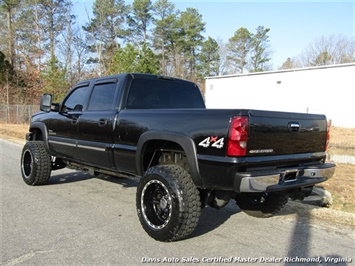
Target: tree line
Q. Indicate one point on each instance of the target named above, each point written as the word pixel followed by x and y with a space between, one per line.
pixel 44 49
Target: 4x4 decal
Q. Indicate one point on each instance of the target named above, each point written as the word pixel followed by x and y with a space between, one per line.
pixel 213 141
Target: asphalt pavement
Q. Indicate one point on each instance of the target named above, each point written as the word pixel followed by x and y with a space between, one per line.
pixel 78 219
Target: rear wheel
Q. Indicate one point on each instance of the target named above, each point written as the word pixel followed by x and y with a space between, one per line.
pixel 168 203
pixel 261 204
pixel 35 163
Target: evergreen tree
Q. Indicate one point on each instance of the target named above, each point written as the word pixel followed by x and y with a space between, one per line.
pixel 7 74
pixel 9 7
pixel 260 50
pixel 54 21
pixel 54 80
pixel 130 59
pixel 31 40
pixel 238 49
pixel 105 29
pixel 7 71
pixel 125 60
pixel 147 61
pixel 165 28
pixel 191 28
pixel 208 59
pixel 139 20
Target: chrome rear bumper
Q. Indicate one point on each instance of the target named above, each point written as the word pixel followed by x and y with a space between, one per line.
pixel 283 179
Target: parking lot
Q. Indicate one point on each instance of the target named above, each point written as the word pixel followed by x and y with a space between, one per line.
pixel 82 220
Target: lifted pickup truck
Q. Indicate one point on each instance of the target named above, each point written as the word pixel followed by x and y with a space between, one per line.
pixel 187 156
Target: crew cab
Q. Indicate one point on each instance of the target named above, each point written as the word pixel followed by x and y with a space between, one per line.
pixel 187 156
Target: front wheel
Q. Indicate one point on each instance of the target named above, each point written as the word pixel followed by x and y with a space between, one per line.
pixel 35 163
pixel 168 203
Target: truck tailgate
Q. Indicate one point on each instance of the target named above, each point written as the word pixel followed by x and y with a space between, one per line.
pixel 277 133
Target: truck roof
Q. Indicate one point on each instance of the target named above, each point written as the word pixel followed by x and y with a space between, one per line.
pixel 132 76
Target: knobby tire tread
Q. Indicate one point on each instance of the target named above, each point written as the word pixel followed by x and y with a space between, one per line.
pixel 189 208
pixel 42 163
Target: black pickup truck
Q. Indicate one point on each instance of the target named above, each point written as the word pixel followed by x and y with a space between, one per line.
pixel 187 156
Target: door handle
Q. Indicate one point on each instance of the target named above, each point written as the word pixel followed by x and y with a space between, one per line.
pixel 293 127
pixel 102 122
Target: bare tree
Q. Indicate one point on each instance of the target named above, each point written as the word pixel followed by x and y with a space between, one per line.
pixel 290 63
pixel 328 50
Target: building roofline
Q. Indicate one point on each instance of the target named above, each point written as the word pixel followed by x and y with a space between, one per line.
pixel 283 71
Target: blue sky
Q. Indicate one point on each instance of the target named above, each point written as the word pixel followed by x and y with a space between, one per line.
pixel 293 24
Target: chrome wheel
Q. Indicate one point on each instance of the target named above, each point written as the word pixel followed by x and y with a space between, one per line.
pixel 168 203
pixel 156 204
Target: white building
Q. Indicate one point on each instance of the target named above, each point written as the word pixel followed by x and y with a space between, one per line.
pixel 328 90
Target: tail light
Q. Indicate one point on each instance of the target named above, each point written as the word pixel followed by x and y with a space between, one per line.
pixel 328 136
pixel 238 136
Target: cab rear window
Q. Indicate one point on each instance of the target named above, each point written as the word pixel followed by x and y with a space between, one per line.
pixel 163 94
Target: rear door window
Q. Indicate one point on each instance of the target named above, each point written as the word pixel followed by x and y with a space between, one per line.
pixel 102 97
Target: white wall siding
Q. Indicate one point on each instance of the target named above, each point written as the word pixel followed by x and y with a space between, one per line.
pixel 328 90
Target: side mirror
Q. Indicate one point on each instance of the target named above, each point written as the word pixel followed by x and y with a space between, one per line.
pixel 46 103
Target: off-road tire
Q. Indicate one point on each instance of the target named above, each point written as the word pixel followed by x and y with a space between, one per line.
pixel 168 203
pixel 261 205
pixel 35 163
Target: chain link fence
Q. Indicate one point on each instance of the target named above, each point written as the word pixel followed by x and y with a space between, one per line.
pixel 17 114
